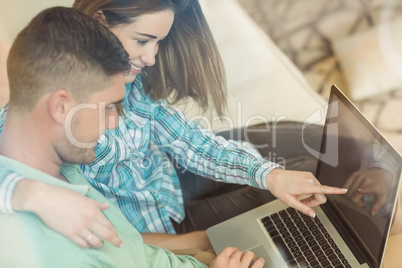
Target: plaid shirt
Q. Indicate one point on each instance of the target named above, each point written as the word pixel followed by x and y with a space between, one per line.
pixel 133 170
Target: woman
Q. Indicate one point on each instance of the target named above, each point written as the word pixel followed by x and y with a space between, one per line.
pixel 133 166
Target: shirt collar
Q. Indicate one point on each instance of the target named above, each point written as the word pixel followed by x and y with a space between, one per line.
pixel 32 173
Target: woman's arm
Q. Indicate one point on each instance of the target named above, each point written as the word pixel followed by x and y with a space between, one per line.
pixel 69 213
pixel 202 152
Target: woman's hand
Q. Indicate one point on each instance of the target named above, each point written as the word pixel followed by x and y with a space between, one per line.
pixel 288 186
pixel 233 258
pixel 71 214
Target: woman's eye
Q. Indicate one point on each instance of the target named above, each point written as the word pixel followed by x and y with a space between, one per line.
pixel 142 42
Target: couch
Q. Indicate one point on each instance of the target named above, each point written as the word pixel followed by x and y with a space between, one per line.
pixel 354 44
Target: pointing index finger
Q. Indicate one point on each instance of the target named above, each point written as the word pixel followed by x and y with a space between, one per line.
pixel 324 189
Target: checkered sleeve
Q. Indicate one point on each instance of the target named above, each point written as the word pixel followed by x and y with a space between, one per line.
pixel 202 152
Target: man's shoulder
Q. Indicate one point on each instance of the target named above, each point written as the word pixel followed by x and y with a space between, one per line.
pixel 81 186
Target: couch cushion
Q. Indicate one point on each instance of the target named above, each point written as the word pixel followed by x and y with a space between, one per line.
pixel 372 60
pixel 263 84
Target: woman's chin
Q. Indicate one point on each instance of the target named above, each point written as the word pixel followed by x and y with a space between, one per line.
pixel 128 79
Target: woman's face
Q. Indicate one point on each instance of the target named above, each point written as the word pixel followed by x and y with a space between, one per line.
pixel 141 39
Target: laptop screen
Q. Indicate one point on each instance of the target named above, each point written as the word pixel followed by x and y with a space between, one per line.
pixel 355 156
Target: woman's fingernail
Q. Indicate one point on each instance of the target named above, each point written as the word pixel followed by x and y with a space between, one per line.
pixel 345 190
pixel 312 214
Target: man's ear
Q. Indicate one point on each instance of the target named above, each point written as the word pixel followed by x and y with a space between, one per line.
pixel 60 103
pixel 100 17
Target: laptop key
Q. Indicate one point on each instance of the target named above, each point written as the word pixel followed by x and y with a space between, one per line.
pixel 292 264
pixel 311 258
pixel 297 254
pixel 322 258
pixel 315 232
pixel 294 249
pixel 275 216
pixel 302 228
pixel 301 243
pixel 286 220
pixel 270 228
pixel 345 262
pixel 286 235
pixel 322 242
pixel 326 247
pixel 309 238
pixel 304 248
pixel 274 233
pixel 283 249
pixel 315 248
pixel 318 253
pixel 300 260
pixel 332 257
pixel 308 253
pixel 292 229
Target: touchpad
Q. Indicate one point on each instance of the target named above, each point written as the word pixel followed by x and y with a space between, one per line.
pixel 260 251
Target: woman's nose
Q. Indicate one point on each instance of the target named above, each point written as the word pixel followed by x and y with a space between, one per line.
pixel 149 55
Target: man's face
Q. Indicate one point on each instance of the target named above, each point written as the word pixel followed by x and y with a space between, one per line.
pixel 86 122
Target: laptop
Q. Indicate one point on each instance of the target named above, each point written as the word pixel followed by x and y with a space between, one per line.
pixel 345 232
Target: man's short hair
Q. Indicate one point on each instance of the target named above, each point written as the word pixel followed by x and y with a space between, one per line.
pixel 61 48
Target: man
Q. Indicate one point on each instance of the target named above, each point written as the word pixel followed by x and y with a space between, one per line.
pixel 66 75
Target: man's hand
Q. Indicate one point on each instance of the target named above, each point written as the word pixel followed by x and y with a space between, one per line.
pixel 288 186
pixel 375 181
pixel 71 214
pixel 233 258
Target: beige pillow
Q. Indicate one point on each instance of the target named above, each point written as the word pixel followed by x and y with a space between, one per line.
pixel 372 60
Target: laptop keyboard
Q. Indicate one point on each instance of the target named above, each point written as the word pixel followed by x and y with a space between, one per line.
pixel 303 241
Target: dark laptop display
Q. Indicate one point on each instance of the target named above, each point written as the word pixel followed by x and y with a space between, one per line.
pixel 362 160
